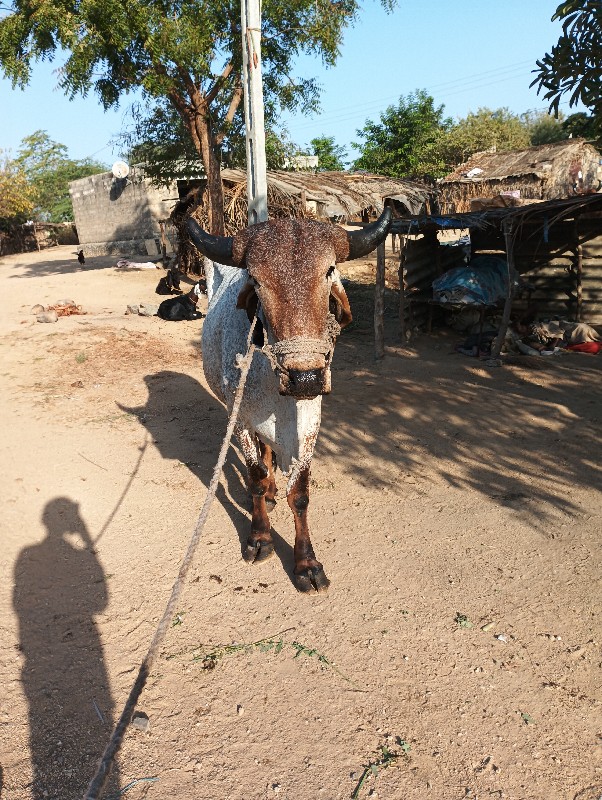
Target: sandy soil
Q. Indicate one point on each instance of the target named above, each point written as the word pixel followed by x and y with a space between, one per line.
pixel 457 511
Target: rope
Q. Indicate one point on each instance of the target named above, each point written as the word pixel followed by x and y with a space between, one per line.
pixel 303 344
pixel 299 344
pixel 99 780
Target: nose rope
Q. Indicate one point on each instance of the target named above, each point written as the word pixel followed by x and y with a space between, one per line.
pixel 303 345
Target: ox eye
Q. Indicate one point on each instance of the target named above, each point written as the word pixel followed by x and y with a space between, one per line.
pixel 330 272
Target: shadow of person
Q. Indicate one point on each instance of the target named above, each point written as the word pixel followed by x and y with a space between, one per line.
pixel 59 587
pixel 188 424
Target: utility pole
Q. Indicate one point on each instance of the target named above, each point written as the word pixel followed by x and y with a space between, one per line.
pixel 257 184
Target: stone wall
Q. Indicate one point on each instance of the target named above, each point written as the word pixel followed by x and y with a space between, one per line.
pixel 120 216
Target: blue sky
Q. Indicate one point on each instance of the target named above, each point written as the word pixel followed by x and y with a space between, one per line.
pixel 467 54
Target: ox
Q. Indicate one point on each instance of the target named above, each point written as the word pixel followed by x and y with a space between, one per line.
pixel 284 271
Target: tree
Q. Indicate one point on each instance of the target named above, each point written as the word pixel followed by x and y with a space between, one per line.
pixel 544 128
pixel 48 169
pixel 331 157
pixel 184 51
pixel 484 129
pixel 159 140
pixel 16 196
pixel 585 125
pixel 574 64
pixel 406 141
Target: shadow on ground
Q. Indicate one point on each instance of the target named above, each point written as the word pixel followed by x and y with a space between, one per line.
pixel 187 424
pixel 420 411
pixel 59 587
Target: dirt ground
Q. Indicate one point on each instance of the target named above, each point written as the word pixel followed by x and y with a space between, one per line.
pixel 457 511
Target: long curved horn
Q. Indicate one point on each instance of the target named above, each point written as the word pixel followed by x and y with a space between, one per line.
pixel 217 248
pixel 365 241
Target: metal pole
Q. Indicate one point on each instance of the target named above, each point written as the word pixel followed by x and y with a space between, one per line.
pixel 257 185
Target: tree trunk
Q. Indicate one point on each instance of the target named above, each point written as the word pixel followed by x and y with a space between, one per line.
pixel 195 114
pixel 215 193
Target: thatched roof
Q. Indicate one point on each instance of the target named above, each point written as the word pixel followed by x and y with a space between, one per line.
pixel 539 162
pixel 340 194
pixel 323 195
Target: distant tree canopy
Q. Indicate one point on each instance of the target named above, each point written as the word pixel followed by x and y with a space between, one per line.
pixel 544 128
pixel 415 139
pixel 588 126
pixel 574 64
pixel 181 51
pixel 16 194
pixel 331 156
pixel 484 129
pixel 48 171
pixel 406 142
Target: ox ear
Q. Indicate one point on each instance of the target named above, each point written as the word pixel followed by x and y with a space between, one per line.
pixel 339 304
pixel 247 299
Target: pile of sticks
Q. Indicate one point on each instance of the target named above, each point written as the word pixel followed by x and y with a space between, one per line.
pixel 280 204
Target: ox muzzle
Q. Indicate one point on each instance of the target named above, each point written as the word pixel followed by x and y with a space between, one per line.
pixel 303 366
pixel 303 383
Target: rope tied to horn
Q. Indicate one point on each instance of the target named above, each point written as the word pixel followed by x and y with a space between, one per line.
pixel 304 345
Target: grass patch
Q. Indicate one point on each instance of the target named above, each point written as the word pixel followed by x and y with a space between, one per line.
pixel 384 759
pixel 209 659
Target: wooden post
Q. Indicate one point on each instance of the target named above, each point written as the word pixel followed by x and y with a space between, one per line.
pixel 257 185
pixel 501 334
pixel 379 303
pixel 579 252
pixel 163 243
pixel 402 289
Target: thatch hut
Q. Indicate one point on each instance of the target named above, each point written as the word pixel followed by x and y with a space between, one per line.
pixel 547 172
pixel 337 196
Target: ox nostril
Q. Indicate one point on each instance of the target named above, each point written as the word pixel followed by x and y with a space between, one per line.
pixel 306 382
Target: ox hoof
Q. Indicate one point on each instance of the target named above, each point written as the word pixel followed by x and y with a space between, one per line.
pixel 312 579
pixel 257 550
pixel 270 504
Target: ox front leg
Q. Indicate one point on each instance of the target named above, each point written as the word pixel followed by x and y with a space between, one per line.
pixel 309 573
pixel 262 486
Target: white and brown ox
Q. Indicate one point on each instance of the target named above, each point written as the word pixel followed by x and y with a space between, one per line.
pixel 284 271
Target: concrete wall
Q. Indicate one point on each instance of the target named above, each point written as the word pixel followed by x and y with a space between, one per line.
pixel 120 216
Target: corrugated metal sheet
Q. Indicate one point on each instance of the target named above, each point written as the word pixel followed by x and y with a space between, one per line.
pixel 552 269
pixel 554 289
pixel 424 260
pixel 592 271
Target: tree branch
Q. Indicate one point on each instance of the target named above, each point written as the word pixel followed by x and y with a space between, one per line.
pixel 213 92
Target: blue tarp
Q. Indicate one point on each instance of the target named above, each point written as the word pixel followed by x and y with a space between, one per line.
pixel 483 282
